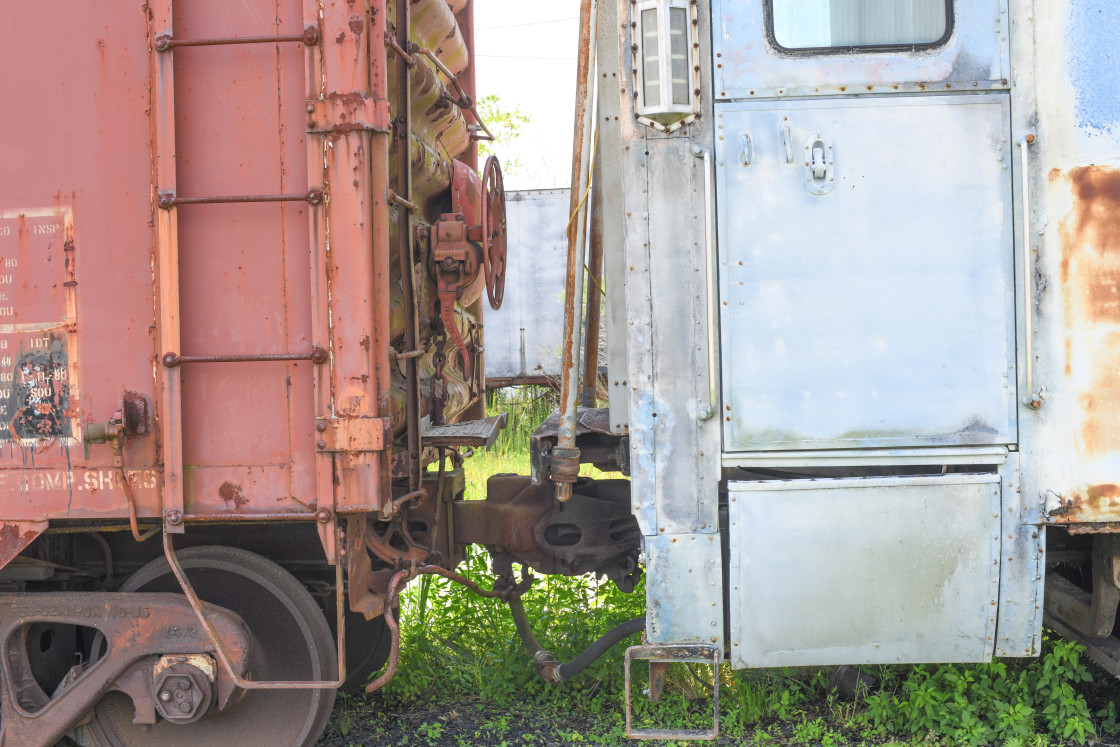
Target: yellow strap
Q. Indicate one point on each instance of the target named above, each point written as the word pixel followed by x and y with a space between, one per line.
pixel 590 171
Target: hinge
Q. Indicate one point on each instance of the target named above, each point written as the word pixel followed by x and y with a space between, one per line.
pixel 351 435
pixel 347 112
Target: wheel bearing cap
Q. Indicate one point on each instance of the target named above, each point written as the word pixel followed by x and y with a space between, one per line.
pixel 182 688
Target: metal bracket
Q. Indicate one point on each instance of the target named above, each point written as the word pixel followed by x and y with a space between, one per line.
pixel 347 113
pixel 351 434
pixel 680 654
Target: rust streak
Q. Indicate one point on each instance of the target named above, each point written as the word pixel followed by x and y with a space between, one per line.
pixel 1090 276
pixel 233 494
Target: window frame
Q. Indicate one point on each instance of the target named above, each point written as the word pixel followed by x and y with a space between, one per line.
pixel 772 39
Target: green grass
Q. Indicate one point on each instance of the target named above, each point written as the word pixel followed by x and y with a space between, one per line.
pixel 461 653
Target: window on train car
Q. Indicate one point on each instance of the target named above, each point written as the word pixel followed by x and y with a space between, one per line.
pixel 855 24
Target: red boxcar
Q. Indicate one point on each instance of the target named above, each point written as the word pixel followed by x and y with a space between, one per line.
pixel 244 248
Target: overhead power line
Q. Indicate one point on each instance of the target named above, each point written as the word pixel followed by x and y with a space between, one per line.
pixel 519 57
pixel 530 23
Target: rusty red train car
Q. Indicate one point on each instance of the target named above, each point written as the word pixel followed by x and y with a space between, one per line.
pixel 245 249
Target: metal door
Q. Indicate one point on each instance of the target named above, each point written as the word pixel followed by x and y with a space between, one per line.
pixel 866 261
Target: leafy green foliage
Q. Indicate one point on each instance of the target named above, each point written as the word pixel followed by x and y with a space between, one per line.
pixel 506 124
pixel 980 704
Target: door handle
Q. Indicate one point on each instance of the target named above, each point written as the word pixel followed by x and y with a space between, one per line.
pixel 1032 399
pixel 746 149
pixel 706 410
pixel 787 140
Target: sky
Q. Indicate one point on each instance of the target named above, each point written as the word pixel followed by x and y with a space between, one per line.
pixel 526 54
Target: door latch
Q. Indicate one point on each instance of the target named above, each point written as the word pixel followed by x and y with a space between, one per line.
pixel 819 165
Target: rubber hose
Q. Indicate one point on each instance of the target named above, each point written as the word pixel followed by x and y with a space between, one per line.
pixel 571 668
pixel 524 630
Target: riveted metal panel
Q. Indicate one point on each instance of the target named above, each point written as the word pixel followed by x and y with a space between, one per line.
pixel 864 571
pixel 748 65
pixel 1066 93
pixel 611 76
pixel 872 306
pixel 674 458
pixel 684 589
pixel 1022 567
pixel 523 337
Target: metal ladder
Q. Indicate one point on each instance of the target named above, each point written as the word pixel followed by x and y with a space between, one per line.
pixel 163 45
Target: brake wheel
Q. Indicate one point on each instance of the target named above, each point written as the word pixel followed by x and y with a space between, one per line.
pixel 494 231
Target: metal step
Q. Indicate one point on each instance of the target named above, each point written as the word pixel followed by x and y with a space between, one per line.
pixel 467 433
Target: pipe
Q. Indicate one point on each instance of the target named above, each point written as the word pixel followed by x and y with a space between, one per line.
pixel 394 635
pixel 554 671
pixel 405 255
pixel 524 629
pixel 594 287
pixel 566 470
pixel 616 634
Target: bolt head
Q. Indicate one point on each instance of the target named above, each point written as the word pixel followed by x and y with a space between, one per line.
pixel 185 707
pixel 184 684
pixel 165 696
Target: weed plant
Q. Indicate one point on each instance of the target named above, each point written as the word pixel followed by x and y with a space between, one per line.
pixel 457 648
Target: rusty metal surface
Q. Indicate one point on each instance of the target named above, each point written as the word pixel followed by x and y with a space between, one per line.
pixel 573 286
pixel 228 655
pixel 1071 451
pixel 259 222
pixel 594 288
pixel 65 195
pixel 135 627
pixel 15 536
pixel 669 654
pixel 317 356
pixel 309 36
pixel 390 618
pixel 593 533
pixel 472 433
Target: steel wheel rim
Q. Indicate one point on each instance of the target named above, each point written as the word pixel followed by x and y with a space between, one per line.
pixel 291 641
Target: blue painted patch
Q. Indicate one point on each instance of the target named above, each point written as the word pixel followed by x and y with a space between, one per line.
pixel 1094 63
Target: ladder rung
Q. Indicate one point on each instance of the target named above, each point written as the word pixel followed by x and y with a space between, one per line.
pixel 317 355
pixel 165 42
pixel 168 200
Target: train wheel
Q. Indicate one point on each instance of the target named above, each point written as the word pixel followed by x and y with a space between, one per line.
pixel 291 641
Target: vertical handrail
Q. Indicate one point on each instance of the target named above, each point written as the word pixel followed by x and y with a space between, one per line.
pixel 709 408
pixel 167 245
pixel 406 258
pixel 1032 399
pixel 566 461
pixel 594 288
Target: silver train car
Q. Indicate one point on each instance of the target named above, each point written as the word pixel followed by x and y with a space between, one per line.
pixel 861 265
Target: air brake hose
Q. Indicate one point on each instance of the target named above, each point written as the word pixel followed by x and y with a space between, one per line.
pixel 554 671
